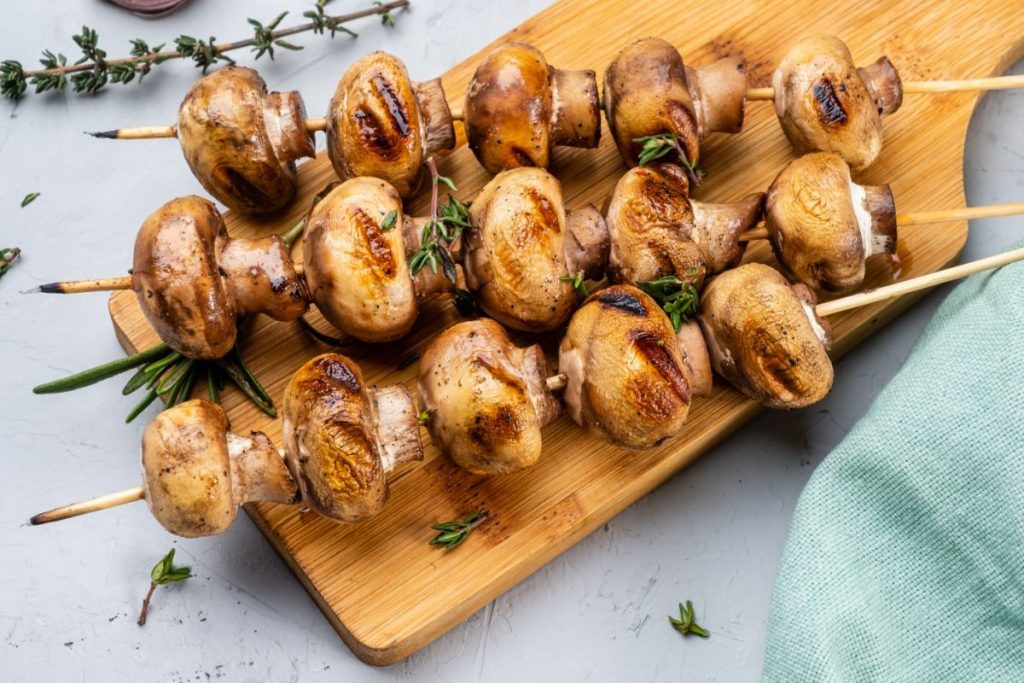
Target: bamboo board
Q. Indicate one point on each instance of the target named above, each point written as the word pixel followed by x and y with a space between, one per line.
pixel 385 591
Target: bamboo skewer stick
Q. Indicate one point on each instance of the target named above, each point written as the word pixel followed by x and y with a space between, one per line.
pixel 86 506
pixel 923 217
pixel 963 85
pixel 108 284
pixel 939 277
pixel 557 382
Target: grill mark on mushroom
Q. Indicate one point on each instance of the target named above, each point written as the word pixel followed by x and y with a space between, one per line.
pixel 376 243
pixel 394 104
pixel 655 351
pixel 622 300
pixel 340 373
pixel 830 109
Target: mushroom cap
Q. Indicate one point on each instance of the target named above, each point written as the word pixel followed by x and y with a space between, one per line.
pixel 241 142
pixel 646 93
pixel 356 269
pixel 177 281
pixel 187 483
pixel 514 254
pixel 508 109
pixel 330 441
pixel 813 223
pixel 824 105
pixel 486 398
pixel 650 221
pixel 764 337
pixel 375 124
pixel 627 383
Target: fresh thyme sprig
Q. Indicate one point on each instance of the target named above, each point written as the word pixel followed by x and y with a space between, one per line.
pixel 687 622
pixel 442 229
pixel 578 283
pixel 29 198
pixel 658 146
pixel 93 70
pixel 163 572
pixel 423 417
pixel 451 534
pixel 465 303
pixel 678 298
pixel 8 255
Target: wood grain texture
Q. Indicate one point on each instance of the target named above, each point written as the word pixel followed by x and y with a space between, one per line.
pixel 387 592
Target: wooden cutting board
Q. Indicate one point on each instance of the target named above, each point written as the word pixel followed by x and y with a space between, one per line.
pixel 383 588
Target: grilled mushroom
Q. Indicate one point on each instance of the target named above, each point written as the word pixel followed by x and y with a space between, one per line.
pixel 342 438
pixel 648 91
pixel 382 124
pixel 486 398
pixel 518 108
pixel 826 104
pixel 192 280
pixel 197 472
pixel 765 338
pixel 522 246
pixel 823 226
pixel 657 230
pixel 241 142
pixel 627 382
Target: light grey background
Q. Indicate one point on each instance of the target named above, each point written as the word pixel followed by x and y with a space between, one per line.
pixel 69 593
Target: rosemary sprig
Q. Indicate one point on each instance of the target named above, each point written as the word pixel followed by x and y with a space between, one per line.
pixel 8 255
pixel 29 198
pixel 680 299
pixel 451 534
pixel 93 71
pixel 444 227
pixel 658 146
pixel 578 283
pixel 687 622
pixel 163 572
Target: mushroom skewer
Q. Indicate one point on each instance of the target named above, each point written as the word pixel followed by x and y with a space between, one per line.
pixel 241 142
pixel 341 442
pixel 823 226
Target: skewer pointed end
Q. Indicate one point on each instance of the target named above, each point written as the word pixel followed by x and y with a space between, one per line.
pixel 104 134
pixel 48 288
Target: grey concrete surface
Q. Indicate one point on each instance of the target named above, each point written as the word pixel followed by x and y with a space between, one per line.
pixel 69 593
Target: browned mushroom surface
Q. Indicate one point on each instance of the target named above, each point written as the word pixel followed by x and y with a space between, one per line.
pixel 823 226
pixel 765 338
pixel 517 255
pixel 657 230
pixel 241 142
pixel 485 397
pixel 826 104
pixel 342 439
pixel 381 124
pixel 356 268
pixel 197 473
pixel 518 108
pixel 626 380
pixel 648 91
pixel 192 280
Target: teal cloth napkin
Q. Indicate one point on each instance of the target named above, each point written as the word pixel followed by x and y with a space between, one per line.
pixel 905 556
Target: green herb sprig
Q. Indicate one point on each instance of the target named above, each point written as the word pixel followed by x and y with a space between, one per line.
pixel 452 534
pixel 687 622
pixel 29 198
pixel 678 298
pixel 659 146
pixel 93 71
pixel 442 229
pixel 163 572
pixel 578 283
pixel 8 255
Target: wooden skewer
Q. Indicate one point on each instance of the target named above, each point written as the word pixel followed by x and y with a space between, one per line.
pixel 914 284
pixel 86 506
pixel 80 286
pixel 969 84
pixel 557 382
pixel 923 217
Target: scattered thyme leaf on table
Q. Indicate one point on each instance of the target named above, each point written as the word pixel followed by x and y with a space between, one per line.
pixel 163 572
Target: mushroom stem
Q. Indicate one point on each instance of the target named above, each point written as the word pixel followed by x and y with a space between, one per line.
pixel 968 84
pixel 86 506
pixel 557 382
pixel 81 286
pixel 918 283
